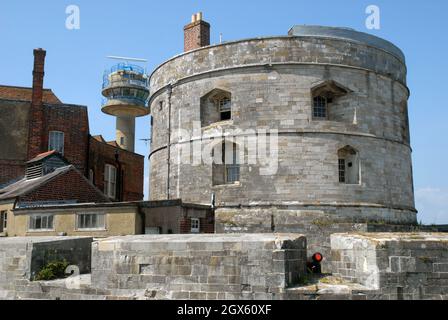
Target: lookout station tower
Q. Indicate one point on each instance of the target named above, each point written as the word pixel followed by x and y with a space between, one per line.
pixel 125 87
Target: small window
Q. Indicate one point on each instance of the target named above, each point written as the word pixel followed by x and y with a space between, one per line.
pixel 90 221
pixel 342 170
pixel 195 225
pixel 56 141
pixel 225 108
pixel 216 106
pixel 349 166
pixel 91 176
pixel 3 221
pixel 320 107
pixel 227 169
pixel 41 222
pixel 110 181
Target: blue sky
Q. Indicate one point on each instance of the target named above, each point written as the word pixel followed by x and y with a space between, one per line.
pixel 153 30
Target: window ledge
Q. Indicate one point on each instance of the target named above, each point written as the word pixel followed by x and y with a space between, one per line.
pixel 90 230
pixel 230 185
pixel 217 124
pixel 41 230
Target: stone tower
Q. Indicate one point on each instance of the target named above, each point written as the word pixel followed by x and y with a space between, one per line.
pixel 334 101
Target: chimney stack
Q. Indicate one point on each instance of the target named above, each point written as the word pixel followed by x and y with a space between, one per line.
pixel 36 120
pixel 38 76
pixel 196 33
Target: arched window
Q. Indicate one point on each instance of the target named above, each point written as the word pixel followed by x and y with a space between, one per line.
pixel 216 106
pixel 226 167
pixel 349 166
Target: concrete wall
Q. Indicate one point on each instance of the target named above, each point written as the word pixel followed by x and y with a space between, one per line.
pixel 200 266
pixel 410 266
pixel 373 121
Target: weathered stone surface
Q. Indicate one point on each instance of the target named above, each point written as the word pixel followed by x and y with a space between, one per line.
pixel 197 266
pixel 395 265
pixel 22 258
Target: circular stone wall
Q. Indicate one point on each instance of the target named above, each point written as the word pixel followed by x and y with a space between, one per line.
pixel 271 83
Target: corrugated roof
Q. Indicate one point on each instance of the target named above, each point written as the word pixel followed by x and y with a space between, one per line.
pixel 25 94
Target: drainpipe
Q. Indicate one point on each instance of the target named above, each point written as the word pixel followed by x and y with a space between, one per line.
pixel 170 92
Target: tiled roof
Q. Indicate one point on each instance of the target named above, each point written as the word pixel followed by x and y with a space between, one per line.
pixel 42 156
pixel 25 94
pixel 24 186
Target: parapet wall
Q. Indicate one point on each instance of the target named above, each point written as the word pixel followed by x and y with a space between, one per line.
pixel 367 266
pixel 407 266
pixel 22 258
pixel 250 266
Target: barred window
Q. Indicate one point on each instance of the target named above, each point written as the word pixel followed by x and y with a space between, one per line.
pixel 342 170
pixel 320 107
pixel 56 141
pixel 42 222
pixel 3 220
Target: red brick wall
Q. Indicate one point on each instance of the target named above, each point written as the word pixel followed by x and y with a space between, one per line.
pixel 196 35
pixel 132 165
pixel 11 170
pixel 73 121
pixel 207 224
pixel 68 186
pixel 37 118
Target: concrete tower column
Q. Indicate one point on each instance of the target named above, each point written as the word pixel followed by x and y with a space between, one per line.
pixel 125 132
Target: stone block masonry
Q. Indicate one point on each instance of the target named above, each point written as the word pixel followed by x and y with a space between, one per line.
pixel 22 258
pixel 247 267
pixel 407 266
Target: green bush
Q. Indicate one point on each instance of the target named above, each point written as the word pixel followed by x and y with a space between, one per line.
pixel 53 270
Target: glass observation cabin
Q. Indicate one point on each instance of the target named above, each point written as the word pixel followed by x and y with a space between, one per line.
pixel 126 91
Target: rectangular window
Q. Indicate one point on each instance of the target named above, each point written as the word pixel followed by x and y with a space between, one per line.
pixel 91 221
pixel 195 225
pixel 232 170
pixel 320 107
pixel 110 181
pixel 225 108
pixel 41 222
pixel 342 171
pixel 3 220
pixel 232 173
pixel 56 141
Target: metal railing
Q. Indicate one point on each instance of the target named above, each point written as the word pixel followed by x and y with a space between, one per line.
pixel 124 80
pixel 140 101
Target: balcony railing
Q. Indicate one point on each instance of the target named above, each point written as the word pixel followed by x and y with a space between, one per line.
pixel 126 77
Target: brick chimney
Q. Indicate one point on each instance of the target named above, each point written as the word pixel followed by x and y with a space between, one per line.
pixel 36 121
pixel 196 33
